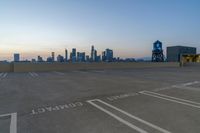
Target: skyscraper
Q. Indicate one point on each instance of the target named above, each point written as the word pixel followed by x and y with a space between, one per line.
pixel 109 55
pixel 92 53
pixel 66 55
pixel 53 56
pixel 104 56
pixel 16 57
pixel 73 55
pixel 81 56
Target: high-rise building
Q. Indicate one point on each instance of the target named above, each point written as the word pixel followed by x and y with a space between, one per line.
pixel 98 58
pixel 39 59
pixel 95 55
pixel 53 56
pixel 104 56
pixel 16 57
pixel 73 55
pixel 66 55
pixel 87 58
pixel 60 58
pixel 92 53
pixel 49 59
pixel 81 56
pixel 109 55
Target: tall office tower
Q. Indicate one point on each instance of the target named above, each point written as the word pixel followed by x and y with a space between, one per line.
pixel 109 55
pixel 103 56
pixel 66 55
pixel 16 57
pixel 92 53
pixel 53 56
pixel 73 55
pixel 95 55
pixel 81 56
pixel 78 56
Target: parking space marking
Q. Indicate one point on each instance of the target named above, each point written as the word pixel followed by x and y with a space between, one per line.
pixel 33 74
pixel 127 114
pixel 121 96
pixel 80 71
pixel 98 71
pixel 190 83
pixel 188 88
pixel 13 122
pixel 172 99
pixel 3 75
pixel 177 85
pixel 59 73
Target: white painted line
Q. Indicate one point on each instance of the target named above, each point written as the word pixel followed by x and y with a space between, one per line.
pixel 118 118
pixel 98 71
pixel 190 83
pixel 13 123
pixel 188 88
pixel 127 114
pixel 4 115
pixel 172 99
pixel 80 71
pixel 59 73
pixel 175 86
pixel 5 74
pixel 33 74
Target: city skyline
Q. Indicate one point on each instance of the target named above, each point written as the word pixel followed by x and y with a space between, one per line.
pixel 129 27
pixel 71 56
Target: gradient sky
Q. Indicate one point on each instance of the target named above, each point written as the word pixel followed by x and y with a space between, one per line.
pixel 129 27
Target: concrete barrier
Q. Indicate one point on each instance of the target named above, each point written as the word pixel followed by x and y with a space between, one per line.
pixel 6 67
pixel 45 67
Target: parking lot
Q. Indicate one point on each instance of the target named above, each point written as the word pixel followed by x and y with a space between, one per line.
pixel 143 100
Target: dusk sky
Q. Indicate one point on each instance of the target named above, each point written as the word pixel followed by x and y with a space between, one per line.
pixel 129 27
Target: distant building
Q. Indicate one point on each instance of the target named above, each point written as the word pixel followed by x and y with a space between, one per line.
pixel 53 56
pixel 103 56
pixel 109 55
pixel 87 58
pixel 33 60
pixel 98 58
pixel 95 56
pixel 16 57
pixel 39 59
pixel 81 56
pixel 73 55
pixel 66 55
pixel 49 59
pixel 92 53
pixel 174 52
pixel 60 58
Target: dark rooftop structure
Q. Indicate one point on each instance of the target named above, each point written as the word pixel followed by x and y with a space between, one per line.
pixel 174 52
